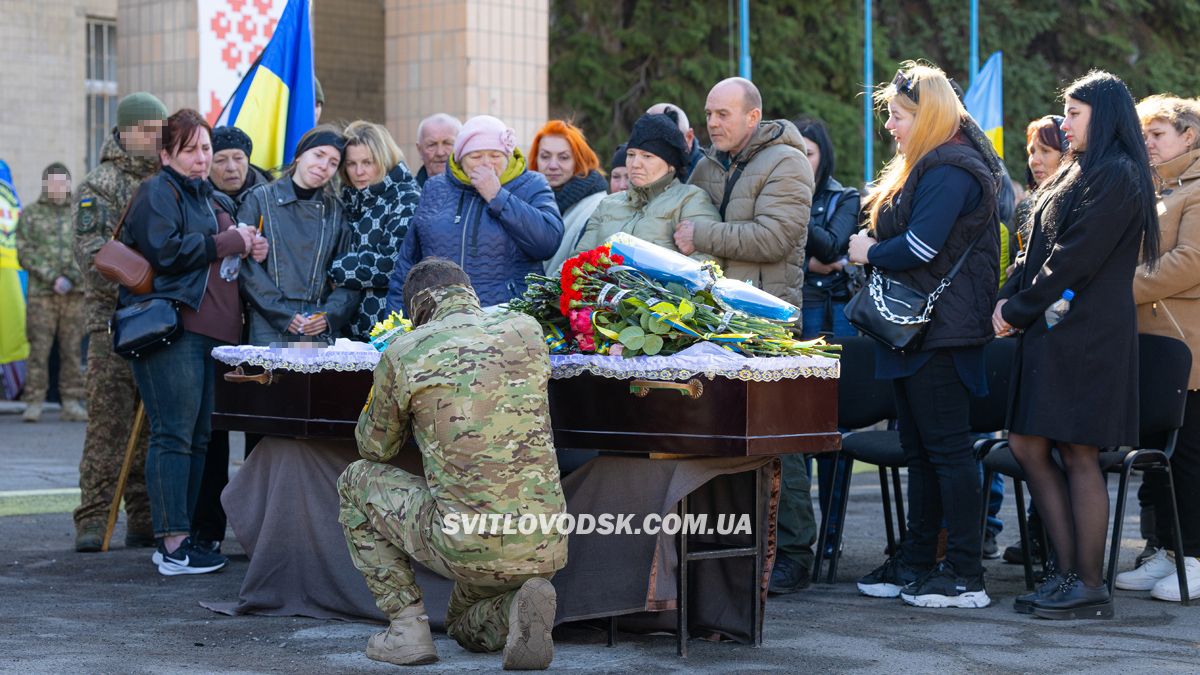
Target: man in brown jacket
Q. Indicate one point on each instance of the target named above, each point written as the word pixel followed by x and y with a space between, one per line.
pixel 758 176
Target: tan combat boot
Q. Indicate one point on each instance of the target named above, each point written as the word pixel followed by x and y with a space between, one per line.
pixel 530 620
pixel 33 412
pixel 407 641
pixel 73 411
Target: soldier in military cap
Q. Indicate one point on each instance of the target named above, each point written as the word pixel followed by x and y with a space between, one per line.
pixel 472 388
pixel 55 307
pixel 129 155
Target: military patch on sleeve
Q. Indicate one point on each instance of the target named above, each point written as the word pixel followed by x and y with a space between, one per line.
pixel 87 215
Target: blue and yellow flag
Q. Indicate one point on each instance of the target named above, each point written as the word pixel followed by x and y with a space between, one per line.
pixel 985 101
pixel 13 347
pixel 275 102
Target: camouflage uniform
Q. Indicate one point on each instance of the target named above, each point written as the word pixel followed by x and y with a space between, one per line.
pixel 472 386
pixel 112 397
pixel 44 250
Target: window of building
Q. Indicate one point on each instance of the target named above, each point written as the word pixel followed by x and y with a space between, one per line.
pixel 100 85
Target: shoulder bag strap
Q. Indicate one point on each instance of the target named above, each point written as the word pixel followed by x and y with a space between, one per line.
pixel 733 179
pixel 125 212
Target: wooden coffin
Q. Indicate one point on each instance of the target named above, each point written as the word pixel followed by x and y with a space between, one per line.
pixel 720 417
pixel 717 417
pixel 288 403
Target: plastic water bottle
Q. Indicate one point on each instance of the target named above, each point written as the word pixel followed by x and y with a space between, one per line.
pixel 230 265
pixel 1056 312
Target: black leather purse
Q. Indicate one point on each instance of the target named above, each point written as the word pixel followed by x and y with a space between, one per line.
pixel 895 315
pixel 145 327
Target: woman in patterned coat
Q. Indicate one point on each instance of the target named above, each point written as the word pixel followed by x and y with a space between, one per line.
pixel 379 203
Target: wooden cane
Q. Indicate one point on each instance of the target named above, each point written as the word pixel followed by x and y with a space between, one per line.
pixel 114 509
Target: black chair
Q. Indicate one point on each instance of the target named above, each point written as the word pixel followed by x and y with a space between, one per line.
pixel 1163 366
pixel 999 459
pixel 863 401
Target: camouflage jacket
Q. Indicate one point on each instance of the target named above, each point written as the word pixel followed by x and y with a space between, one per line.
pixel 473 389
pixel 44 236
pixel 99 203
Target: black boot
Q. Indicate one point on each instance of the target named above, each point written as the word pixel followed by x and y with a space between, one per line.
pixel 1075 600
pixel 1023 604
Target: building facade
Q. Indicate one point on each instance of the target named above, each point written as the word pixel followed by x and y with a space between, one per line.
pixel 391 61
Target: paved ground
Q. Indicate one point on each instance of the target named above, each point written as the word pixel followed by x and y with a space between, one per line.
pixel 66 612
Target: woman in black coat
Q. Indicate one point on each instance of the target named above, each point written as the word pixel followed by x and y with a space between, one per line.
pixel 1075 386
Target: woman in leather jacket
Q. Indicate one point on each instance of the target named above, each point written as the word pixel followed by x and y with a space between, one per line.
pixel 290 293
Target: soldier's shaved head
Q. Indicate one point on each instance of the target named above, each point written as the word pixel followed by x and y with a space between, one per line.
pixel 428 275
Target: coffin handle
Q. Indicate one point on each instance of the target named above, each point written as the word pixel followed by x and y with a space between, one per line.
pixel 692 389
pixel 239 376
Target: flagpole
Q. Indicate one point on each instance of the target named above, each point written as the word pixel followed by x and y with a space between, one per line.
pixel 868 90
pixel 744 28
pixel 973 67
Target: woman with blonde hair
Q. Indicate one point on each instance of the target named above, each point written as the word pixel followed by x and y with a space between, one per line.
pixel 380 195
pixel 1168 303
pixel 562 154
pixel 935 205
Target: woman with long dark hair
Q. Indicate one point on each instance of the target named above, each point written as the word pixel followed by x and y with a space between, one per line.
pixel 935 204
pixel 1075 387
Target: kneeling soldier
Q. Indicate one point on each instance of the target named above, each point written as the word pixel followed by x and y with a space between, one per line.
pixel 472 387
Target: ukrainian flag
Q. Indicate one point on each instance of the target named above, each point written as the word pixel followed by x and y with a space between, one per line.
pixel 13 347
pixel 275 102
pixel 985 101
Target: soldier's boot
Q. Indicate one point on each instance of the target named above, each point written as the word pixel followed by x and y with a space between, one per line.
pixel 73 411
pixel 33 412
pixel 89 537
pixel 530 620
pixel 407 640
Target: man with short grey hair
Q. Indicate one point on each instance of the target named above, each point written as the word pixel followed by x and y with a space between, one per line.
pixel 435 143
pixel 689 134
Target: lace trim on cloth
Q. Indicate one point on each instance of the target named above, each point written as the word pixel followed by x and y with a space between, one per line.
pixel 345 355
pixel 704 359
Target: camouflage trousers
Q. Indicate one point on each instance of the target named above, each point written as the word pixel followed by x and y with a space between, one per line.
pixel 112 402
pixel 47 317
pixel 386 514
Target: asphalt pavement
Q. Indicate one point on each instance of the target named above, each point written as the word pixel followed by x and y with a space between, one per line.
pixel 62 611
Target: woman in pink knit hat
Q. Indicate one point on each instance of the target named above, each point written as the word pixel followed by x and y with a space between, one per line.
pixel 489 214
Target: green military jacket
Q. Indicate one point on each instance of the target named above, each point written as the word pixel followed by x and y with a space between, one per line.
pixel 472 387
pixel 99 204
pixel 44 243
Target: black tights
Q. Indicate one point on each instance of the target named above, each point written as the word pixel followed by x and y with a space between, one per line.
pixel 1073 505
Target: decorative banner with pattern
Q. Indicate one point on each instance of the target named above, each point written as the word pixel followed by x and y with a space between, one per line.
pixel 233 34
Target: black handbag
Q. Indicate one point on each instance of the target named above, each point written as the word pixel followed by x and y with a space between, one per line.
pixel 145 327
pixel 895 315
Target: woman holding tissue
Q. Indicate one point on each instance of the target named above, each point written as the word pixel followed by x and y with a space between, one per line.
pixel 185 232
pixel 487 212
pixel 290 293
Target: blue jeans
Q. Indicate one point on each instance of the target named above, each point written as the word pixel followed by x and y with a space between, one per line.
pixel 176 386
pixel 828 316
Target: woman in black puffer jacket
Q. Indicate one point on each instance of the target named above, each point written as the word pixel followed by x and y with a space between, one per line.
pixel 833 219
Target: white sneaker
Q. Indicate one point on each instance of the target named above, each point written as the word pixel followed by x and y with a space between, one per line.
pixel 1167 588
pixel 1156 567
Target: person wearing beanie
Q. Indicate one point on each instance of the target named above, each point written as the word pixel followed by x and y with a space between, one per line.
pixel 656 200
pixel 307 227
pixel 618 174
pixel 232 172
pixel 319 100
pixel 127 158
pixel 497 219
pixel 562 154
pixel 55 303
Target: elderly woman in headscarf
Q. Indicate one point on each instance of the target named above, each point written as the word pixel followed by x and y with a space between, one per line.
pixel 487 213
